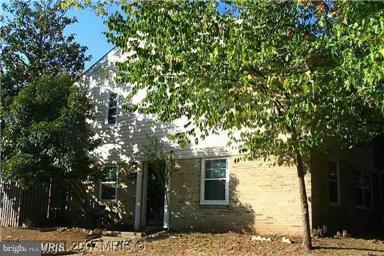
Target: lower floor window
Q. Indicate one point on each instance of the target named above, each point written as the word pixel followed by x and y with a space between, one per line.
pixel 333 181
pixel 108 183
pixel 363 189
pixel 214 181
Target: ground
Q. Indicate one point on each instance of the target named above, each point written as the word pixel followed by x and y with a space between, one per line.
pixel 204 244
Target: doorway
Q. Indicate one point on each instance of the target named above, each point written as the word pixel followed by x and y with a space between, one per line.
pixel 155 193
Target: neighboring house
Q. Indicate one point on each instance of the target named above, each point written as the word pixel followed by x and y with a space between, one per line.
pixel 206 190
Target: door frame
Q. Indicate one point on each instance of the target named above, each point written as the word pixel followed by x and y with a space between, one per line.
pixel 141 198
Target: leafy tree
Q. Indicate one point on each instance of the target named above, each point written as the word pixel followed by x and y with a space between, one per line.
pixel 32 43
pixel 293 77
pixel 43 130
pixel 48 135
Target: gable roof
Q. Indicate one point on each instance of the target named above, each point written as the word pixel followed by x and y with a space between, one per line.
pixel 98 62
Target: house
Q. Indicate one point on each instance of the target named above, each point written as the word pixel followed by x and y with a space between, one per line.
pixel 205 189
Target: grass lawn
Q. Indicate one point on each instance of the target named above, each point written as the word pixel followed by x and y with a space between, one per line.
pixel 232 244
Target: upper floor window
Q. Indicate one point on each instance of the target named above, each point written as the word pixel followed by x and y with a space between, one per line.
pixel 334 182
pixel 108 183
pixel 113 108
pixel 363 189
pixel 214 181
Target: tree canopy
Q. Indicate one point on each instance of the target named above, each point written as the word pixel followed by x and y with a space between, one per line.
pixel 43 128
pixel 32 43
pixel 48 135
pixel 310 72
pixel 291 76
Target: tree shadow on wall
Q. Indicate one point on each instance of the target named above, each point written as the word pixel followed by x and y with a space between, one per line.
pixel 190 214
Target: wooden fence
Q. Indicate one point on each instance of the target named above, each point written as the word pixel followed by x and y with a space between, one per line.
pixel 38 205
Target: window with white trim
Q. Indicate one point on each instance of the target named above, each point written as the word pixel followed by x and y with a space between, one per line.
pixel 108 183
pixel 334 182
pixel 214 181
pixel 113 108
pixel 363 189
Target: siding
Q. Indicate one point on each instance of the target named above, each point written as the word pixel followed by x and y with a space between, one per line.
pixel 124 141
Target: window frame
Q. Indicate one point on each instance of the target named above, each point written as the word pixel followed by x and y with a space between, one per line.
pixel 203 179
pixel 363 206
pixel 337 182
pixel 108 108
pixel 116 182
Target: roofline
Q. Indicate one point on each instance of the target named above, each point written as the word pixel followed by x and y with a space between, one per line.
pixel 94 64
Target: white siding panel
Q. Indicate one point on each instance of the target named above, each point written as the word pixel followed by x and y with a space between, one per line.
pixel 124 141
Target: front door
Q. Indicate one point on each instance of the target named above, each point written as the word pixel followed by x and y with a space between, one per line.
pixel 155 193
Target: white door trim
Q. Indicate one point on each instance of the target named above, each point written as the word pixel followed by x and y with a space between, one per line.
pixel 144 195
pixel 167 197
pixel 141 198
pixel 138 204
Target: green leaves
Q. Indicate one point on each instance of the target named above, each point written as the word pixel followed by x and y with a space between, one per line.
pixel 45 131
pixel 269 69
pixel 32 43
pixel 47 135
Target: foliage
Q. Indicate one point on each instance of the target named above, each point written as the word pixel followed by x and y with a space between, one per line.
pixel 101 7
pixel 32 43
pixel 283 78
pixel 159 157
pixel 48 135
pixel 44 132
pixel 291 76
pixel 154 150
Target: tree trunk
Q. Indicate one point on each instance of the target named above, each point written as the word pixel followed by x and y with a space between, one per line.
pixel 307 243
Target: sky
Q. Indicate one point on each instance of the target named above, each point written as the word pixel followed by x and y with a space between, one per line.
pixel 89 32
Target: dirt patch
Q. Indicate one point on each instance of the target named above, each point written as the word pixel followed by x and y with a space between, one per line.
pixel 231 244
pixel 216 244
pixel 67 235
pixel 228 244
